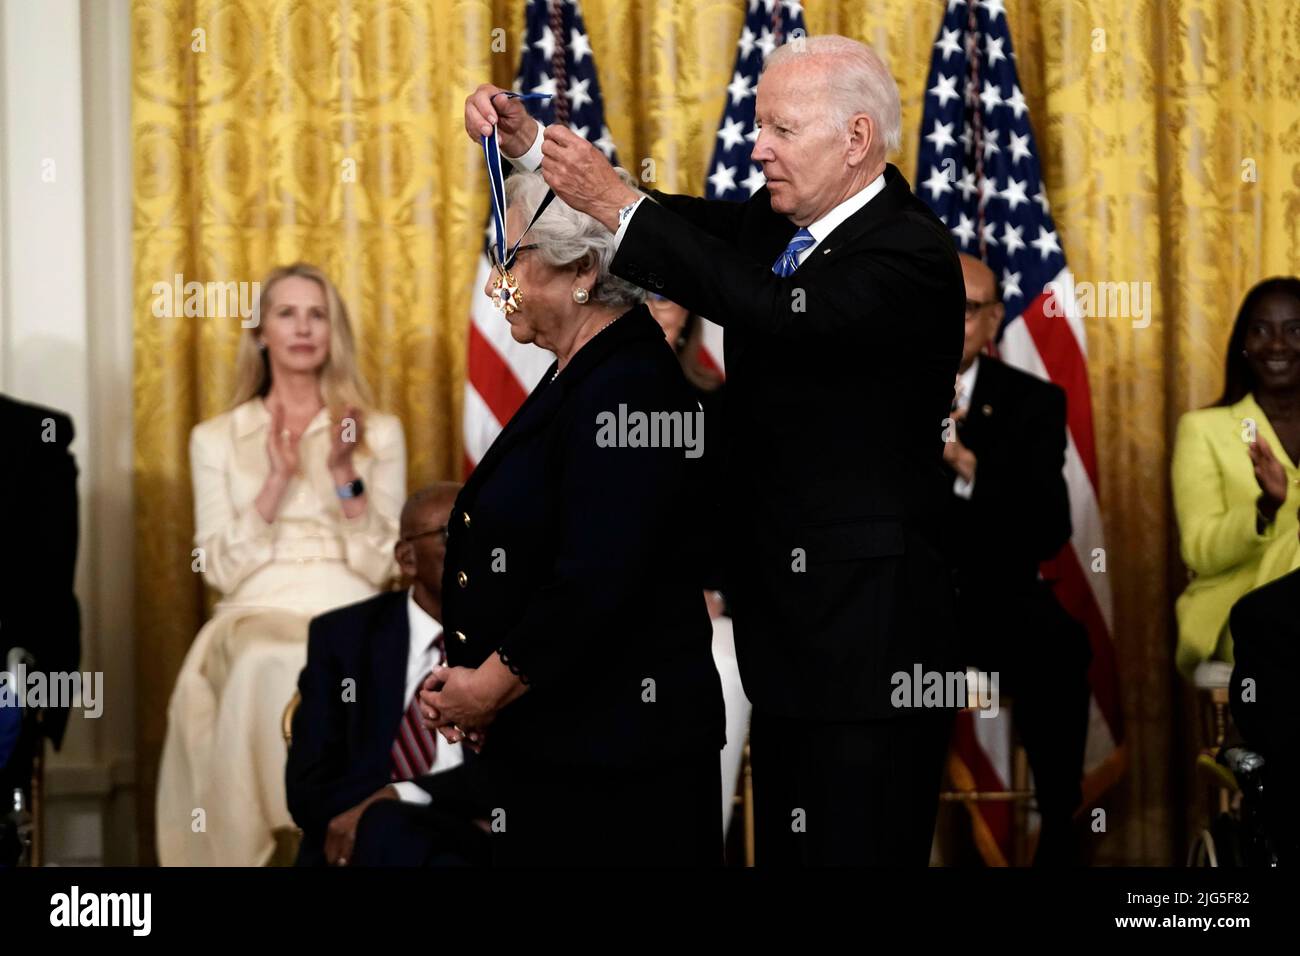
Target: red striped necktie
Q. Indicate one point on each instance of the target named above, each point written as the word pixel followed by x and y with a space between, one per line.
pixel 415 748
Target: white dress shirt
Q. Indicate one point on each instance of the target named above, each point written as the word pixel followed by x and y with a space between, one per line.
pixel 422 657
pixel 965 389
pixel 820 229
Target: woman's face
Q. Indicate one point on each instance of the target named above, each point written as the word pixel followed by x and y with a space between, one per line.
pixel 296 331
pixel 1273 342
pixel 547 292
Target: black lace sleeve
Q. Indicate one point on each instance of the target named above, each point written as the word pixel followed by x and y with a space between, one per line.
pixel 514 668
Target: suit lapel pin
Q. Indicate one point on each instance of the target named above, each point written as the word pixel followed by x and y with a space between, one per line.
pixel 987 410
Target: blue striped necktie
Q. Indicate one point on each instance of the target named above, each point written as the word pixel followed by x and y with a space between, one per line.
pixel 788 261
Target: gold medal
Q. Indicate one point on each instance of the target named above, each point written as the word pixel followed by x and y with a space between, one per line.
pixel 506 296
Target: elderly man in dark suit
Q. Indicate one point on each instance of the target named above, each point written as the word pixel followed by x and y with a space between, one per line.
pixel 842 300
pixel 1008 510
pixel 364 777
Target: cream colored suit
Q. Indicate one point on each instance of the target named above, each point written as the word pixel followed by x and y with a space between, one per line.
pixel 221 780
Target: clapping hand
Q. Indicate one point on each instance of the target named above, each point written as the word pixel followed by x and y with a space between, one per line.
pixel 1270 475
pixel 281 445
pixel 348 432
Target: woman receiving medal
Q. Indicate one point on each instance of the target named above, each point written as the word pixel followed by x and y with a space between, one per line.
pixel 578 641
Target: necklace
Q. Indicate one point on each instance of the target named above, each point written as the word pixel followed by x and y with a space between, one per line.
pixel 556 373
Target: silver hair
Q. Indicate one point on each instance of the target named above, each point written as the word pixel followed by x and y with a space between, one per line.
pixel 858 81
pixel 565 236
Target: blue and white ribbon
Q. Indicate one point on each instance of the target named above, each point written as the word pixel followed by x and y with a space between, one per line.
pixel 497 182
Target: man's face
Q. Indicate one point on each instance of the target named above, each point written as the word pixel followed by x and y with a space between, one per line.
pixel 803 157
pixel 983 309
pixel 422 542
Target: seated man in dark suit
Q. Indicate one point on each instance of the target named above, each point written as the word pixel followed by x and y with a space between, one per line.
pixel 358 744
pixel 1009 510
pixel 1265 627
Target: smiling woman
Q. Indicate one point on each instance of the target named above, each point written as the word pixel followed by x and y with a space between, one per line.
pixel 1235 475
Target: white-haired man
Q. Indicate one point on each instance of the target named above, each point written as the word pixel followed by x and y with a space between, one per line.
pixel 843 304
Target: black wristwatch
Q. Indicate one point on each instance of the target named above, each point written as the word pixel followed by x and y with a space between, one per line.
pixel 352 489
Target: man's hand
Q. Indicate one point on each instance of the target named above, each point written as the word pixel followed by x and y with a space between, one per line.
pixel 516 130
pixel 341 833
pixel 582 176
pixel 956 455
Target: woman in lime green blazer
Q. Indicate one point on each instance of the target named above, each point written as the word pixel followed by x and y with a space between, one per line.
pixel 1234 471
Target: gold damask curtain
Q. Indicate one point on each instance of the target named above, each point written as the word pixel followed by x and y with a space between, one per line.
pixel 329 130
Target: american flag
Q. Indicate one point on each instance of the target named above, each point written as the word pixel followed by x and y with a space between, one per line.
pixel 768 24
pixel 557 60
pixel 978 169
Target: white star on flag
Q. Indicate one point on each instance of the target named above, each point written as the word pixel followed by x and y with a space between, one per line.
pixel 987 233
pixel 746 43
pixel 991 142
pixel 993 49
pixel 1019 147
pixel 1016 101
pixel 547 43
pixel 723 178
pixel 580 45
pixel 967 185
pixel 1046 242
pixel 1011 238
pixel 994 8
pixel 578 94
pixel 948 44
pixel 965 229
pixel 1011 284
pixel 945 88
pixel 739 88
pixel 606 142
pixel 754 181
pixel 991 97
pixel 1014 194
pixel 731 133
pixel 942 136
pixel 938 183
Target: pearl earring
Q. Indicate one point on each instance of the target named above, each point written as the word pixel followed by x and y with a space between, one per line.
pixel 580 296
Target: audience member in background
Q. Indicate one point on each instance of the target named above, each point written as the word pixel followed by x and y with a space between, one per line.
pixel 358 739
pixel 1235 473
pixel 1008 511
pixel 684 332
pixel 296 491
pixel 38 609
pixel 1265 627
pixel 40 619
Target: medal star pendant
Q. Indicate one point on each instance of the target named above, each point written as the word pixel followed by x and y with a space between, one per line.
pixel 506 295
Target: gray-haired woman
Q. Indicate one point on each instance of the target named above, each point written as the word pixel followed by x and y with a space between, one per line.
pixel 578 638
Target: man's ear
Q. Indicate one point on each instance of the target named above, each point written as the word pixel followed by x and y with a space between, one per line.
pixel 404 552
pixel 862 136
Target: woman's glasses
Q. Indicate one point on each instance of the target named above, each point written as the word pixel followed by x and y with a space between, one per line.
pixel 490 248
